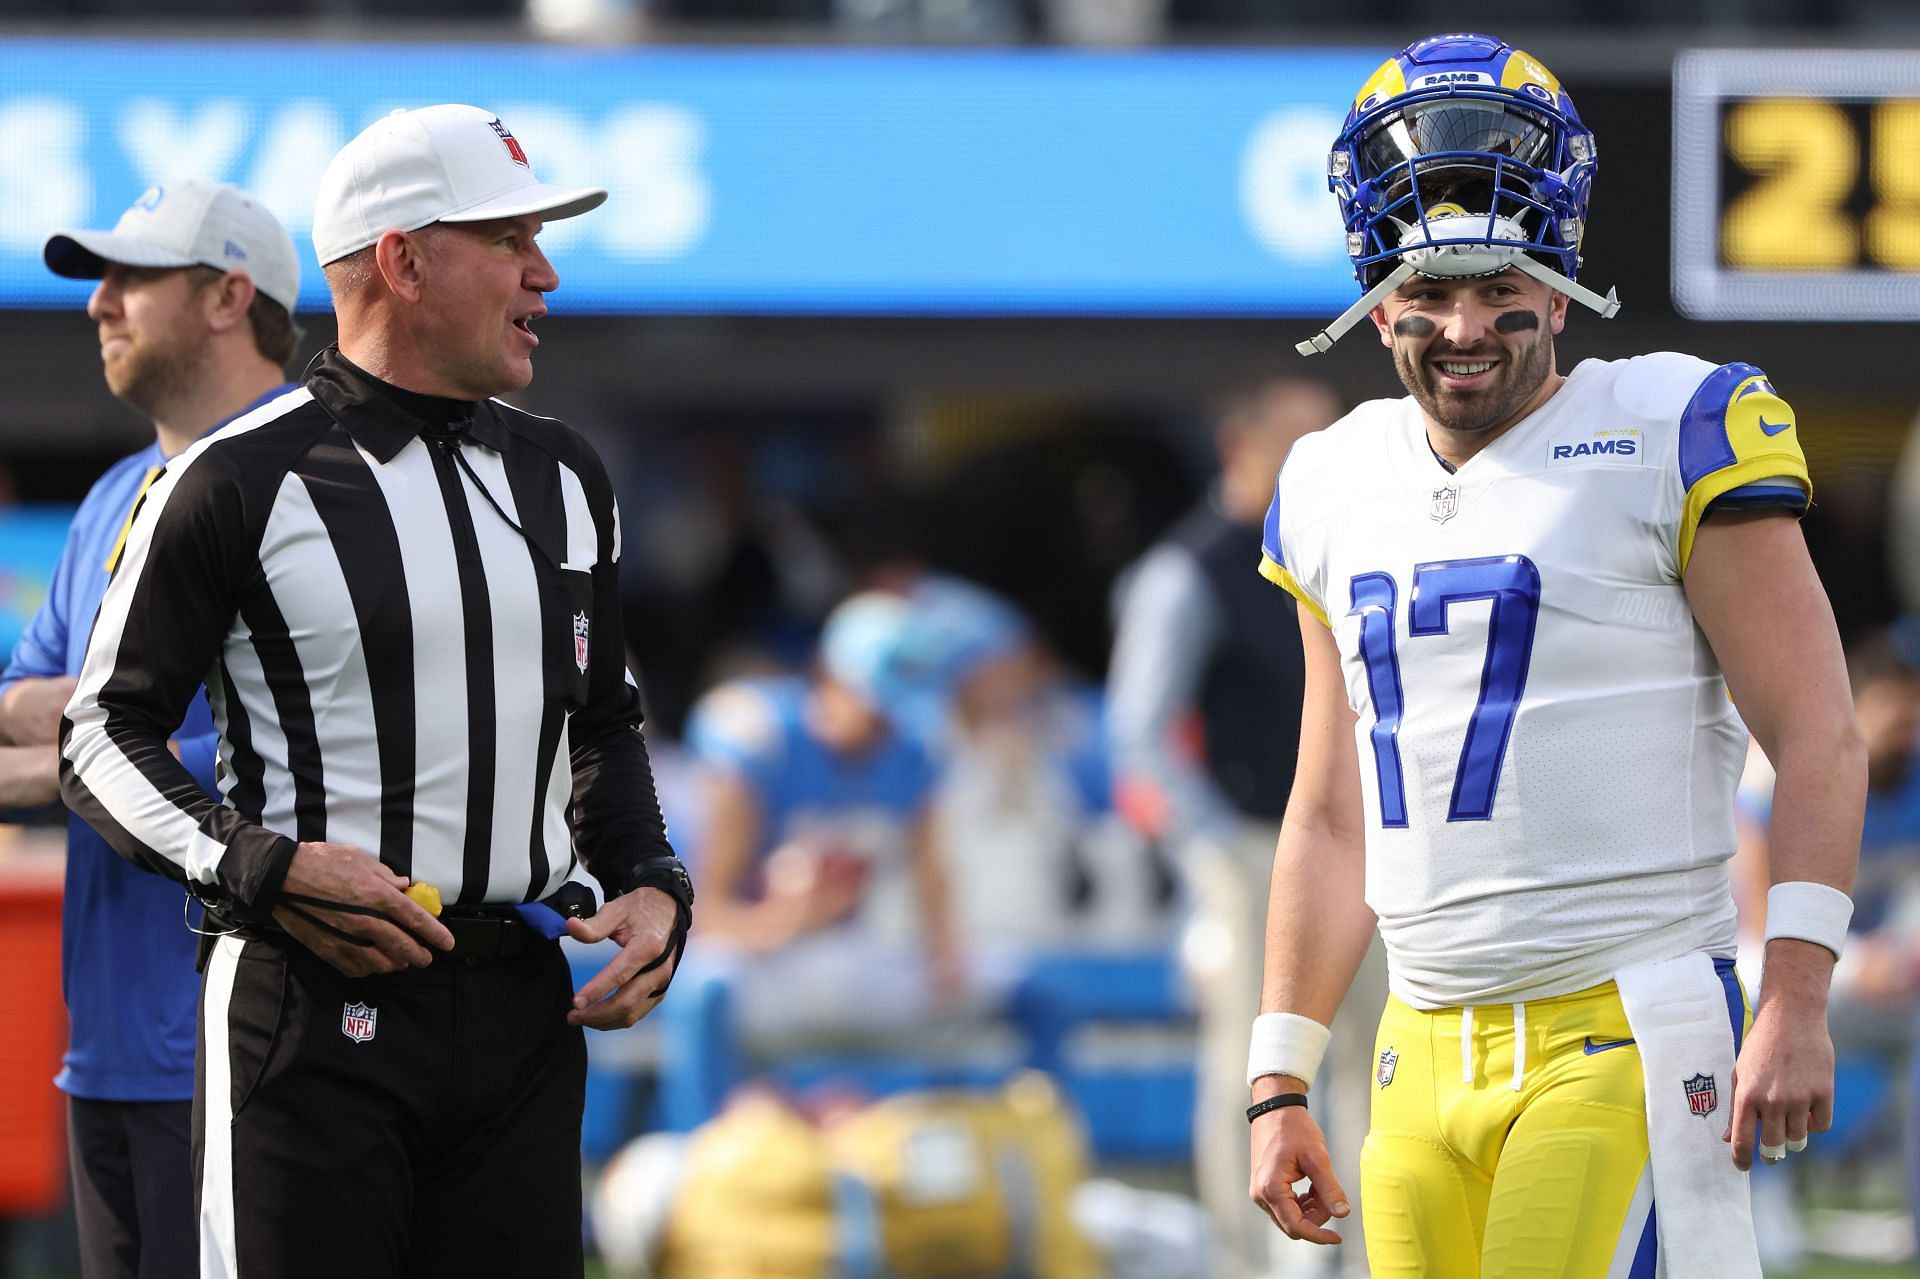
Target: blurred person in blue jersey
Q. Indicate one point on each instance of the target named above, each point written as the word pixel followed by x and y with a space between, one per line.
pixel 1204 693
pixel 1023 800
pixel 1876 984
pixel 819 853
pixel 197 284
pixel 1877 981
pixel 1540 614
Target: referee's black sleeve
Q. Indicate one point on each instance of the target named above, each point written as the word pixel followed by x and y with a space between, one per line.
pixel 156 638
pixel 615 813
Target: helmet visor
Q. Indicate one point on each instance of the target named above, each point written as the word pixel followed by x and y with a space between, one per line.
pixel 1455 124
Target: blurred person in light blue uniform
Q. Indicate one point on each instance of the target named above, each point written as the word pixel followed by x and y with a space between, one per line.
pixel 197 284
pixel 1038 858
pixel 820 859
pixel 1876 983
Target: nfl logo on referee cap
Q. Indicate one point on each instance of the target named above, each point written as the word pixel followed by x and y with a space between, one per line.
pixel 580 641
pixel 1702 1095
pixel 357 1022
pixel 513 145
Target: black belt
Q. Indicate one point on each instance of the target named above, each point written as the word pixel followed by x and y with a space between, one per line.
pixel 481 933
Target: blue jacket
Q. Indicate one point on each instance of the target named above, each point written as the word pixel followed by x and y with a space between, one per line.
pixel 126 952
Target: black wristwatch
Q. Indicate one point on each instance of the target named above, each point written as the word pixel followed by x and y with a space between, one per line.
pixel 668 875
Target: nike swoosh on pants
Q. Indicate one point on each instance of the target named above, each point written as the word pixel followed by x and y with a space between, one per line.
pixel 1590 1047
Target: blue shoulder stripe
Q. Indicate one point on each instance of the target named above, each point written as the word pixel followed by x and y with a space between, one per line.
pixel 1270 530
pixel 1750 497
pixel 1704 445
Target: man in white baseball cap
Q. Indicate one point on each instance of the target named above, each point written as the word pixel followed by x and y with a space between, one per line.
pixel 426 225
pixel 188 222
pixel 197 282
pixel 447 163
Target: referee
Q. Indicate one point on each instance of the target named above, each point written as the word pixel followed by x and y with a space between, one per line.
pixel 402 597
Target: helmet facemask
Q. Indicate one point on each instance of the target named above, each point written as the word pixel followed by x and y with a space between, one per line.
pixel 1465 172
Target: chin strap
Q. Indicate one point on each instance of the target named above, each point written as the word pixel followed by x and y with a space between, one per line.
pixel 1607 306
pixel 1325 338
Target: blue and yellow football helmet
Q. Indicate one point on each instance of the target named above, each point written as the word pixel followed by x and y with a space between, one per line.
pixel 1461 156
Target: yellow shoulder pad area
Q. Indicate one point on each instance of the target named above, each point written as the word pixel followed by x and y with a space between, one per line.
pixel 1275 572
pixel 1736 431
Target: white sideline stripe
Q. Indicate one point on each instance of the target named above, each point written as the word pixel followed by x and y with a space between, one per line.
pixel 219 1258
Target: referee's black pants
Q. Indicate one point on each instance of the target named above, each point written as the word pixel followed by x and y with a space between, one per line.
pixel 422 1124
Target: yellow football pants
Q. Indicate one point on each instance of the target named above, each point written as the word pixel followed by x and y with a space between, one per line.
pixel 1487 1163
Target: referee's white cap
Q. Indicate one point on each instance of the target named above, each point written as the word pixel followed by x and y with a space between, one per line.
pixel 446 163
pixel 187 222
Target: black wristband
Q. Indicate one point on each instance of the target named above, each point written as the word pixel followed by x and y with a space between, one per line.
pixel 1278 1102
pixel 667 874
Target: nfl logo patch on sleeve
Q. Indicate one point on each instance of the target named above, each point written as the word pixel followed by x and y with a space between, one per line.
pixel 357 1022
pixel 580 641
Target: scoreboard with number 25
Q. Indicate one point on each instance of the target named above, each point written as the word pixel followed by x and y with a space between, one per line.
pixel 1796 185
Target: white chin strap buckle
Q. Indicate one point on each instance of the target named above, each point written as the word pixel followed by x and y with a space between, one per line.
pixel 1429 249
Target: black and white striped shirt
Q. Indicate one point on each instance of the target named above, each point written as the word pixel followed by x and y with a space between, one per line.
pixel 406 614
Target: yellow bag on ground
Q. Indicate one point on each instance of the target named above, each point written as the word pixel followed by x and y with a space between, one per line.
pixel 938 1185
pixel 755 1199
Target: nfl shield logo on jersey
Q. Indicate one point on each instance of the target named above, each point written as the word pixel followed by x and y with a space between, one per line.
pixel 1702 1095
pixel 357 1022
pixel 580 641
pixel 1446 504
pixel 1388 1060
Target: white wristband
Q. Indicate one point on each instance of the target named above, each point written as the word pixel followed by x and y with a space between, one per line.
pixel 1286 1044
pixel 1807 911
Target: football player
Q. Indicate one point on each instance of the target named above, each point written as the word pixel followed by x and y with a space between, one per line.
pixel 1541 612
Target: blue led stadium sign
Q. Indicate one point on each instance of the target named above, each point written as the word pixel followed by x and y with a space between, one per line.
pixel 769 181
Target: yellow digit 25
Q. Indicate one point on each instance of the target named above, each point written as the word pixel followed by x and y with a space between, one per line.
pixel 1806 155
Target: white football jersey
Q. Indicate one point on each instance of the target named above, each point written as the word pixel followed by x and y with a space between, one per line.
pixel 1547 751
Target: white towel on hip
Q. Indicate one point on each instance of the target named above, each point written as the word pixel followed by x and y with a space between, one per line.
pixel 1680 1019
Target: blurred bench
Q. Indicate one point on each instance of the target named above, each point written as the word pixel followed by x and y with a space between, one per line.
pixel 1113 1027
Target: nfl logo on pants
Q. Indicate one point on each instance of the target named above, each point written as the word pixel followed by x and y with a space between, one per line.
pixel 357 1022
